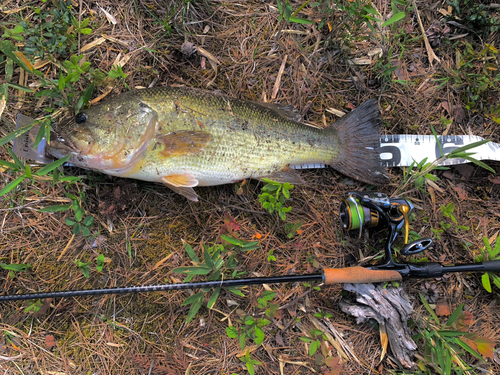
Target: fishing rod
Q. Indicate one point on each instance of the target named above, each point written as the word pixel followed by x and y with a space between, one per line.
pixel 358 212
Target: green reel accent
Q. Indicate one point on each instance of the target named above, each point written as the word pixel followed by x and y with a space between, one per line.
pixel 351 214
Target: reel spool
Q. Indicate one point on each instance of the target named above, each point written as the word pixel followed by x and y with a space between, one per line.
pixel 355 216
pixel 365 210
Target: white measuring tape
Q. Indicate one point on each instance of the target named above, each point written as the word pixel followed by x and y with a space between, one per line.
pixel 399 150
pixel 402 150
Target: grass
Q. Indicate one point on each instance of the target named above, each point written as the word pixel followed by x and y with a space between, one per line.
pixel 64 222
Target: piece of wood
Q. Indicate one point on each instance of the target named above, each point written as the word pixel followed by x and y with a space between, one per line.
pixel 389 307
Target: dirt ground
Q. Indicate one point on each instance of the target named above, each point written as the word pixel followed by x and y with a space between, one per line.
pixel 246 50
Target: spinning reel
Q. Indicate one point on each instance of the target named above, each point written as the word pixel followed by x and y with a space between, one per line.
pixel 363 210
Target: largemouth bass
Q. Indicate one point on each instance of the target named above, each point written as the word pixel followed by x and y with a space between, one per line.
pixel 185 137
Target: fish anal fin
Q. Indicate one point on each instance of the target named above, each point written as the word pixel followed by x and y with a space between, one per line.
pixel 186 142
pixel 180 180
pixel 285 175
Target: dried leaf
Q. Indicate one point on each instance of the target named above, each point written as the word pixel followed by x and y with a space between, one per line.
pixel 460 190
pixel 3 102
pixel 41 63
pixel 469 342
pixel 278 78
pixel 401 72
pixel 485 347
pixel 279 339
pixel 43 309
pixel 456 111
pixel 384 340
pixel 50 342
pixel 93 44
pixel 211 58
pixel 464 321
pixel 188 49
pixel 430 52
pixel 442 308
pixel 465 170
pixel 482 345
pixel 110 17
pixel 336 112
pixel 335 366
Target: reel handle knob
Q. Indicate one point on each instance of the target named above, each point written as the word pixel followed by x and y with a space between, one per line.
pixel 417 246
pixel 404 209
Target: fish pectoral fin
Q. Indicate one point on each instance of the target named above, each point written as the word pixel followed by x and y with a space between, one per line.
pixel 180 180
pixel 186 142
pixel 286 175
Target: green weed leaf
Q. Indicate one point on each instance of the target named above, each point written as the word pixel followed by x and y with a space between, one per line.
pixel 395 18
pixel 232 332
pixel 50 167
pixel 192 270
pixel 191 253
pixel 313 347
pixel 100 262
pixel 56 208
pixel 195 307
pixel 301 21
pixel 208 259
pixel 485 279
pixel 11 185
pixel 193 299
pixel 455 315
pixel 88 221
pixel 15 267
pixel 213 298
pixel 69 221
pixel 235 290
pixel 429 309
pixel 259 336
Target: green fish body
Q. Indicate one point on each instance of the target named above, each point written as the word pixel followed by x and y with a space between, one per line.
pixel 188 137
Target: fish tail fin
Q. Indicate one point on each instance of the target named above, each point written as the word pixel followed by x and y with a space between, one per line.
pixel 359 134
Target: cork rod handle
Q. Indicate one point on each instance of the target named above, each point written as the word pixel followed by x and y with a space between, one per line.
pixel 359 275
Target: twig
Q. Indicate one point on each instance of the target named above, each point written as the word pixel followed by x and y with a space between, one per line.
pixel 31 203
pixel 67 247
pixel 430 52
pixel 278 78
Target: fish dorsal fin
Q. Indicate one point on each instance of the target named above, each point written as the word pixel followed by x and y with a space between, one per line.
pixel 186 142
pixel 180 180
pixel 284 110
pixel 286 175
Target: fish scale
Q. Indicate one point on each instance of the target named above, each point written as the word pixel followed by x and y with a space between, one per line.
pixel 248 140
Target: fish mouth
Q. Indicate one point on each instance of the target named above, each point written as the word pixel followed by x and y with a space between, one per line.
pixel 60 147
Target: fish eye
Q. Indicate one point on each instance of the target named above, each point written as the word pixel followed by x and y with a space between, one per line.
pixel 81 117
